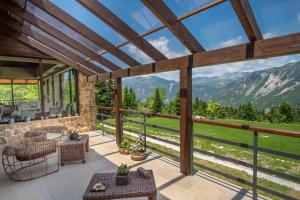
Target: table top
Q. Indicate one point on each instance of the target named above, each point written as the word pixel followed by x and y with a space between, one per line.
pixel 137 186
pixel 81 139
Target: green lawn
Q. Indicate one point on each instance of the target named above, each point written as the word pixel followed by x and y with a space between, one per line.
pixel 276 142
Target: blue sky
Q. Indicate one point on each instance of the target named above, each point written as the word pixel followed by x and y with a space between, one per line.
pixel 214 28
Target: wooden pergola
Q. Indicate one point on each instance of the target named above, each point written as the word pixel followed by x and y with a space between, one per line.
pixel 17 22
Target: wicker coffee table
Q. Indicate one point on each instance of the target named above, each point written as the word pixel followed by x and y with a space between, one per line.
pixel 73 150
pixel 137 187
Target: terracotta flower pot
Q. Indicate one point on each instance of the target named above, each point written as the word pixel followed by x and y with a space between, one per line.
pixel 138 156
pixel 122 180
pixel 123 151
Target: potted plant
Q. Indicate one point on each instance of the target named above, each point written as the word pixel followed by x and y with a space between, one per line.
pixel 124 147
pixel 137 151
pixel 73 134
pixel 122 174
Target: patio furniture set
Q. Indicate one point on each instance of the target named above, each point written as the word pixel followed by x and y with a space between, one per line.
pixel 39 152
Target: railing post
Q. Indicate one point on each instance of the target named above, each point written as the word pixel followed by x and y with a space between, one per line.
pixel 145 131
pixel 118 105
pixel 102 121
pixel 255 143
pixel 186 132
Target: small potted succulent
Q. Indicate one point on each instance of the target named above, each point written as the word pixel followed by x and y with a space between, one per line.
pixel 73 134
pixel 137 150
pixel 124 147
pixel 122 174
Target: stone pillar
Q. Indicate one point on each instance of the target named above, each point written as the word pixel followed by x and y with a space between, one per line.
pixel 87 101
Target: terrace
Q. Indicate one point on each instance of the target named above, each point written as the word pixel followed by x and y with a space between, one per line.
pixel 57 51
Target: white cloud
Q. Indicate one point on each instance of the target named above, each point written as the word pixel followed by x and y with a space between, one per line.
pixel 162 44
pixel 298 17
pixel 138 54
pixel 232 42
pixel 268 35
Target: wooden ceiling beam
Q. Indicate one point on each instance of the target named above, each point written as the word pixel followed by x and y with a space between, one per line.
pixel 26 29
pixel 247 19
pixel 169 19
pixel 121 27
pixel 58 34
pixel 80 28
pixel 12 47
pixel 278 46
pixel 43 48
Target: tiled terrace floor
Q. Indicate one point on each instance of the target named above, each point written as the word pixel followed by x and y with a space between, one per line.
pixel 72 179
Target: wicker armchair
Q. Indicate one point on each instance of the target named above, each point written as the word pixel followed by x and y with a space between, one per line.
pixel 30 156
pixel 52 132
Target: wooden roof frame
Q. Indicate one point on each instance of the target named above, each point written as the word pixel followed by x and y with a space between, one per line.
pixel 165 14
pixel 257 48
pixel 122 28
pixel 278 46
pixel 46 27
pixel 80 28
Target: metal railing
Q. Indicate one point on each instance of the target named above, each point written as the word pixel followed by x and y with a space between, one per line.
pixel 254 147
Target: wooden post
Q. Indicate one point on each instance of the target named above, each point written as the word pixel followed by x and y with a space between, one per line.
pixel 41 69
pixel 118 105
pixel 53 90
pixel 12 92
pixel 186 130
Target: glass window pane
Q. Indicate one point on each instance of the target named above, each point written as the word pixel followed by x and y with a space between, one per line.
pixel 115 60
pixel 135 14
pixel 59 25
pixel 100 65
pixel 5 94
pixel 217 27
pixel 167 43
pixel 66 93
pixel 277 17
pixel 181 7
pixel 87 18
pixel 136 53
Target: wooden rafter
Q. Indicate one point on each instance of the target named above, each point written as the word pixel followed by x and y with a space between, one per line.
pixel 44 49
pixel 247 19
pixel 10 46
pixel 284 45
pixel 43 25
pixel 26 29
pixel 121 27
pixel 68 20
pixel 165 14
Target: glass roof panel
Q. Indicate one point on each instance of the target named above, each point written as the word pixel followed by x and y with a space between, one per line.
pixel 167 43
pixel 100 66
pixel 91 21
pixel 135 14
pixel 115 60
pixel 59 25
pixel 277 17
pixel 217 27
pixel 136 53
pixel 181 7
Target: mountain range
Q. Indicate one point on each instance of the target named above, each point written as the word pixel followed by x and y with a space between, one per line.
pixel 263 88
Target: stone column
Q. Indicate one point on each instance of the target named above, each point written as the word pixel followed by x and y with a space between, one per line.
pixel 87 101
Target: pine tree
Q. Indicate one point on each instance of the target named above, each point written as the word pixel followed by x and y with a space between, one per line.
pixel 104 93
pixel 286 110
pixel 213 109
pixel 133 103
pixel 126 98
pixel 157 105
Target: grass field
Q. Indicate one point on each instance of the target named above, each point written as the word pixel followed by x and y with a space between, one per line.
pixel 276 142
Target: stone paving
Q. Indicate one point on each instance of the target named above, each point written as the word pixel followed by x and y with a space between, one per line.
pixel 72 179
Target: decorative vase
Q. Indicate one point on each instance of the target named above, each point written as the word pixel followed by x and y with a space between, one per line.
pixel 138 156
pixel 123 151
pixel 122 180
